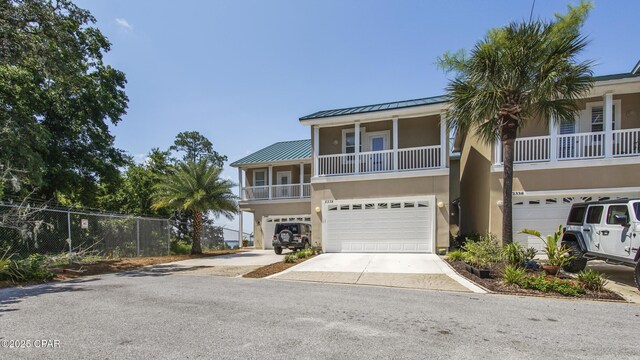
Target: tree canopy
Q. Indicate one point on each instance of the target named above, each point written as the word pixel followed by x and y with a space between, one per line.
pixel 57 99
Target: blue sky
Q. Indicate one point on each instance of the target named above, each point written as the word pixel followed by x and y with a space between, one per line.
pixel 243 72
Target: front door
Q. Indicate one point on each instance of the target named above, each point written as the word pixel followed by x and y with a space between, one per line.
pixel 283 179
pixel 567 144
pixel 378 162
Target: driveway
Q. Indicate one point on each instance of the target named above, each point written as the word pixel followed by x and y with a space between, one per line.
pixel 226 265
pixel 418 271
pixel 620 279
pixel 139 315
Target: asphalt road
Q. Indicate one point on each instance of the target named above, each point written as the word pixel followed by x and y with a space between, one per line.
pixel 179 316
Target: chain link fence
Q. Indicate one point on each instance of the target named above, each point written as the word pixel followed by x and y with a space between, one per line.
pixel 26 230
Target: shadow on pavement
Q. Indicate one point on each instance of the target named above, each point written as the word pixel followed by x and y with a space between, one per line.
pixel 157 270
pixel 618 273
pixel 12 296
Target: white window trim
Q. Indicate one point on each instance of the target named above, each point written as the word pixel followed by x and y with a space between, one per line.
pixel 288 173
pixel 387 135
pixel 617 116
pixel 264 171
pixel 363 133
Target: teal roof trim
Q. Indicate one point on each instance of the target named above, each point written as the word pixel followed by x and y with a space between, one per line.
pixel 280 151
pixel 377 107
pixel 615 77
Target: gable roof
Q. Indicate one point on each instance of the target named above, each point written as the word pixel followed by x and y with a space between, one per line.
pixel 636 69
pixel 377 107
pixel 280 151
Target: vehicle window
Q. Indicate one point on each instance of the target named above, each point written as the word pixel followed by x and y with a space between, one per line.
pixel 636 209
pixel 291 227
pixel 594 215
pixel 616 210
pixel 576 216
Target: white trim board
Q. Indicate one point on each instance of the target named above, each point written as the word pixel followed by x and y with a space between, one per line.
pixel 381 176
pixel 569 192
pixel 567 164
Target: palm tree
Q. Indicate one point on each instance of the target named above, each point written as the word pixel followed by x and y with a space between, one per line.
pixel 517 74
pixel 198 188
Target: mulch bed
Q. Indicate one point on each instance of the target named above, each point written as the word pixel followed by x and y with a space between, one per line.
pixel 494 284
pixel 273 268
pixel 74 270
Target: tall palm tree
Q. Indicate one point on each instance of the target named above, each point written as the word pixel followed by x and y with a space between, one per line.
pixel 198 188
pixel 521 73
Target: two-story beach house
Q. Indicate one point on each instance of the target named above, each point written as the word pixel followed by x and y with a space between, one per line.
pixel 380 178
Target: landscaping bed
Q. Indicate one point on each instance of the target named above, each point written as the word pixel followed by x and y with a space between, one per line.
pixel 290 260
pixel 495 284
pixel 104 266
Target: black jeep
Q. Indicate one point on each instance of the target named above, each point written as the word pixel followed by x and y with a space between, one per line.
pixel 291 235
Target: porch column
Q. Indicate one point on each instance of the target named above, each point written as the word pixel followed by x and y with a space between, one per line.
pixel 316 149
pixel 608 125
pixel 553 142
pixel 301 180
pixel 270 180
pixel 240 229
pixel 443 140
pixel 498 152
pixel 357 148
pixel 395 143
pixel 240 192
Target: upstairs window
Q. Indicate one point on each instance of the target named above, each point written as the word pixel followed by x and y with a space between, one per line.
pixel 597 118
pixel 349 142
pixel 259 178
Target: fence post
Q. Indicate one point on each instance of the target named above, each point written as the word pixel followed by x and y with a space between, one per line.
pixel 138 236
pixel 168 238
pixel 69 230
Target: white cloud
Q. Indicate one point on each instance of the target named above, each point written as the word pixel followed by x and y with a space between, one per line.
pixel 124 23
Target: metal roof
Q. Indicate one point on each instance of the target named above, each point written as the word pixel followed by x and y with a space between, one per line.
pixel 280 151
pixel 636 69
pixel 615 76
pixel 377 107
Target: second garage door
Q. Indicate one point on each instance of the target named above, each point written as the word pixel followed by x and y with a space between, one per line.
pixel 380 225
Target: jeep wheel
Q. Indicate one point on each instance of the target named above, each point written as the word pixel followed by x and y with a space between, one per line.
pixel 307 245
pixel 636 275
pixel 579 262
pixel 278 250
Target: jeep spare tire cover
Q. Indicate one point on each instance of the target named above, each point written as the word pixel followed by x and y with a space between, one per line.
pixel 285 236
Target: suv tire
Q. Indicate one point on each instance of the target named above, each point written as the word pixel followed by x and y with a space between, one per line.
pixel 278 250
pixel 636 275
pixel 306 245
pixel 579 262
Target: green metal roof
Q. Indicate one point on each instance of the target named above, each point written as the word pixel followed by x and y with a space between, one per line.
pixel 280 151
pixel 377 107
pixel 424 101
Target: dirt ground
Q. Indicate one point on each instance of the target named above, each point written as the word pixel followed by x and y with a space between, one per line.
pixel 75 270
pixel 494 284
pixel 273 268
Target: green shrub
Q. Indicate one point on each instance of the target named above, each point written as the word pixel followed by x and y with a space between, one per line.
pixel 290 258
pixel 180 247
pixel 32 268
pixel 592 280
pixel 530 253
pixel 513 254
pixel 513 275
pixel 456 255
pixel 553 284
pixel 557 255
pixel 483 253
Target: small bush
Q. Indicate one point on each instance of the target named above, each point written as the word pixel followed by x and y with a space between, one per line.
pixel 513 275
pixel 290 258
pixel 32 268
pixel 483 253
pixel 513 254
pixel 530 253
pixel 553 284
pixel 592 280
pixel 456 255
pixel 180 247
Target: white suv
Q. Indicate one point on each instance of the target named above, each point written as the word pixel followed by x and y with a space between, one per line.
pixel 607 230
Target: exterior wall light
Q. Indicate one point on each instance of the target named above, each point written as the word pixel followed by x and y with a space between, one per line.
pixel 318 209
pixel 440 204
pixel 499 203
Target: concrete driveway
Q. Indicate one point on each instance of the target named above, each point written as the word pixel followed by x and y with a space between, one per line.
pixel 226 265
pixel 620 279
pixel 418 271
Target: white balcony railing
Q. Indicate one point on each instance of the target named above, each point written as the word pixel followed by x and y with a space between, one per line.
pixel 290 191
pixel 591 145
pixel 417 158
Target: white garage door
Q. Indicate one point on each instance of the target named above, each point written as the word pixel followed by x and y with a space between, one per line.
pixel 269 226
pixel 380 225
pixel 545 214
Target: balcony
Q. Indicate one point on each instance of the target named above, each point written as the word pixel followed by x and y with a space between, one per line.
pixel 407 159
pixel 275 192
pixel 580 146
